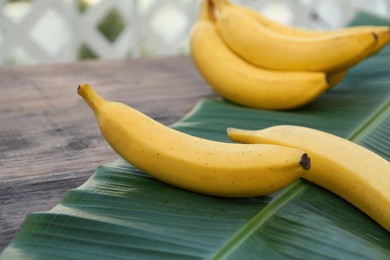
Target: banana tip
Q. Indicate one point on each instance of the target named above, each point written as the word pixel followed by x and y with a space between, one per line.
pixel 81 88
pixel 375 36
pixel 305 162
pixel 327 79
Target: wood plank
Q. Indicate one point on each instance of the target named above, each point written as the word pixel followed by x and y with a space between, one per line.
pixel 39 193
pixel 49 139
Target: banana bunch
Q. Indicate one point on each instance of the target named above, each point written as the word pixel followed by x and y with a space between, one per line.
pixel 192 163
pixel 255 62
pixel 338 165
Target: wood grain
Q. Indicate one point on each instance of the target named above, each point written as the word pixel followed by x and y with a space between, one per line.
pixel 49 140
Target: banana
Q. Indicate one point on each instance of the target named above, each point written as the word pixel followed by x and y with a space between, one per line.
pixel 339 165
pixel 193 163
pixel 266 48
pixel 383 32
pixel 243 83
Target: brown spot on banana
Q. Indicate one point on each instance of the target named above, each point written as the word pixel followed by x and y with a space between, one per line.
pixel 305 162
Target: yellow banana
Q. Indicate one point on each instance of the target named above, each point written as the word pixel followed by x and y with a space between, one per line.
pixel 266 48
pixel 383 32
pixel 193 163
pixel 243 83
pixel 341 166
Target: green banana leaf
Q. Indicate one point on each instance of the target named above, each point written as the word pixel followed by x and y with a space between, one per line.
pixel 122 213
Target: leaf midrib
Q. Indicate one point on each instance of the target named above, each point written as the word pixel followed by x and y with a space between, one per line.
pixel 374 120
pixel 260 218
pixel 295 189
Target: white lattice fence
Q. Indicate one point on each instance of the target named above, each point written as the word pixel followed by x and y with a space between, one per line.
pixel 19 36
pixel 54 30
pixel 151 28
pixel 86 31
pixel 166 26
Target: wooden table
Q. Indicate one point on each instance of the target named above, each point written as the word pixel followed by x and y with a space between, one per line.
pixel 49 139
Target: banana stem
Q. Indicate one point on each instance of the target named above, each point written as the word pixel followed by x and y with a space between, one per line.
pixel 220 4
pixel 90 96
pixel 206 11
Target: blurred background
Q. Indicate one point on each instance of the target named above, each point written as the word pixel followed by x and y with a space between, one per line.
pixel 53 31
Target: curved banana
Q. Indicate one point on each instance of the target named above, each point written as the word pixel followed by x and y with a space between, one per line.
pixel 243 83
pixel 193 163
pixel 269 49
pixel 383 33
pixel 341 166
